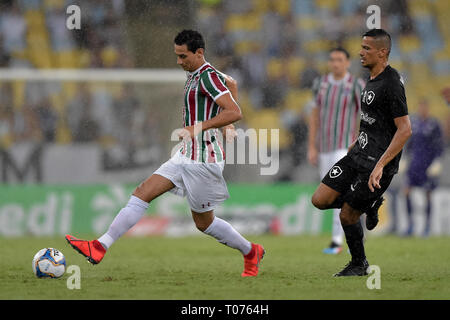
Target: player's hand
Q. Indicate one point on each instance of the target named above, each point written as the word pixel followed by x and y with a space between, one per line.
pixel 229 132
pixel 188 133
pixel 435 169
pixel 375 177
pixel 313 156
pixel 403 165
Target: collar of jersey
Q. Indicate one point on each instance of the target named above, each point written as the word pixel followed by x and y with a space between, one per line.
pixel 333 81
pixel 198 69
pixel 381 75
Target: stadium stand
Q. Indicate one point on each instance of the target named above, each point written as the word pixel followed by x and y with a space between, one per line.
pixel 274 48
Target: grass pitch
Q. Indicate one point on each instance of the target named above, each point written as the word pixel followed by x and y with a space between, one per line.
pixel 198 267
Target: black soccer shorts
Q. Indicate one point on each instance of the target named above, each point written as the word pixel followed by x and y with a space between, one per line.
pixel 352 180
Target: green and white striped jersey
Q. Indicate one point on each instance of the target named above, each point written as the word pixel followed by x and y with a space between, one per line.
pixel 202 88
pixel 339 104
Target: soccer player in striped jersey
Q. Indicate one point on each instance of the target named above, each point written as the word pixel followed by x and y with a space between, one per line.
pixel 333 124
pixel 195 171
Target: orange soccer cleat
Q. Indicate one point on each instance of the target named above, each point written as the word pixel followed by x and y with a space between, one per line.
pixel 92 250
pixel 252 260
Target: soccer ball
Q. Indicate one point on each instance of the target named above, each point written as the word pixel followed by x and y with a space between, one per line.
pixel 49 263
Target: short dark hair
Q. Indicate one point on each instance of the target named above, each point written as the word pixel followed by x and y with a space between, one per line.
pixel 382 36
pixel 191 38
pixel 340 49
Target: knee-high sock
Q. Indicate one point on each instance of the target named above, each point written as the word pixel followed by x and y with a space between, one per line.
pixel 337 231
pixel 409 210
pixel 428 215
pixel 125 219
pixel 354 235
pixel 227 235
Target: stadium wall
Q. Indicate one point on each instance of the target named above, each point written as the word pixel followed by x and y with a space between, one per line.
pixel 49 210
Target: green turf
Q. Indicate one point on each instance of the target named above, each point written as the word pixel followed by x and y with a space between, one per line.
pixel 201 268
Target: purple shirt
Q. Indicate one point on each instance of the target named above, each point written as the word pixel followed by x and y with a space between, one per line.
pixel 425 144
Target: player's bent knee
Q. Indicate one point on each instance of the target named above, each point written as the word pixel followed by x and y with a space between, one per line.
pixel 319 202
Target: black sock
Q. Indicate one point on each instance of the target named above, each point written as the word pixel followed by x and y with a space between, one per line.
pixel 354 235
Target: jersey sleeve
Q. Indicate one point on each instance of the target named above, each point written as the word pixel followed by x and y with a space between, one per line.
pixel 396 99
pixel 213 85
pixel 358 88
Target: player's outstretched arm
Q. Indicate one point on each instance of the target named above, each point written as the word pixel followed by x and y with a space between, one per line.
pixel 398 141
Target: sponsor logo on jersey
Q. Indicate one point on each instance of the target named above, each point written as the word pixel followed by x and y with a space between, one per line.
pixel 363 139
pixel 365 117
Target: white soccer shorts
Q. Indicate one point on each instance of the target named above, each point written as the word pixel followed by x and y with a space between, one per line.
pixel 202 183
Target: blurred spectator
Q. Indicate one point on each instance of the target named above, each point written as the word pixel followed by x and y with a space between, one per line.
pixel 6 123
pixel 61 38
pixel 424 148
pixel 26 126
pixel 274 90
pixel 13 28
pixel 309 74
pixel 47 119
pixel 125 108
pixel 272 30
pixel 83 126
pixel 4 57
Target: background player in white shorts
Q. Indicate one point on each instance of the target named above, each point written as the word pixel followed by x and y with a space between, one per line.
pixel 333 124
pixel 195 171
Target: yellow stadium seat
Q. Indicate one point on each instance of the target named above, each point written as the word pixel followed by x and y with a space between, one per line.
pixel 443 54
pixel 243 47
pixel 261 6
pixel 353 46
pixel 66 59
pixel 297 99
pixel 419 7
pixel 327 4
pixel 18 93
pixel 253 22
pixel 442 6
pixel 282 6
pixel 247 22
pixel 274 68
pixel 34 18
pixel 69 90
pixel 322 66
pixel 63 134
pixel 307 23
pixel 294 67
pixel 41 59
pixel 409 43
pixel 54 4
pixel 234 22
pixel 315 46
pixel 269 119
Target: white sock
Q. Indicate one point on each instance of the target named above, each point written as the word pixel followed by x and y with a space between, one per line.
pixel 337 232
pixel 124 221
pixel 227 235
